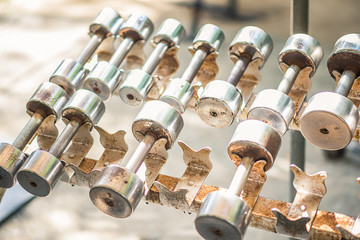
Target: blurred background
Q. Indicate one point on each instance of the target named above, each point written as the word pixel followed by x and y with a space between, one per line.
pixel 36 35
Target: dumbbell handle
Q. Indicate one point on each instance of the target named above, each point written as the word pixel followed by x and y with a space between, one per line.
pixel 90 48
pixel 345 82
pixel 121 52
pixel 140 153
pixel 194 65
pixel 241 175
pixel 29 130
pixel 238 70
pixel 65 137
pixel 289 79
pixel 155 57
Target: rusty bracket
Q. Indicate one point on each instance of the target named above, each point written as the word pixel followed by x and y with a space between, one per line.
pixel 47 133
pixel 76 152
pixel 168 65
pixel 310 190
pixel 301 86
pixel 87 170
pixel 353 232
pixel 183 194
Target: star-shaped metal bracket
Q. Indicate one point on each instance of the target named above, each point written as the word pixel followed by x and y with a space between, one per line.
pixel 198 167
pixel 115 148
pixel 310 190
pixel 354 232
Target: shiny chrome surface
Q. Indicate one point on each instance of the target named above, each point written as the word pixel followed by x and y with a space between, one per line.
pixel 85 106
pixel 135 87
pixel 48 98
pixel 219 104
pixel 117 192
pixel 254 139
pixel 178 94
pixel 329 121
pixel 40 174
pixel 171 31
pixel 209 37
pixel 137 27
pixel 274 108
pixel 103 79
pixel 160 119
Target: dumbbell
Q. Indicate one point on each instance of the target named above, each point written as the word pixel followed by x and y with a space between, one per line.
pixel 118 190
pixel 224 214
pixel 42 170
pixel 104 78
pixel 70 73
pixel 275 106
pixel 179 91
pixel 136 86
pixel 221 100
pixel 330 118
pixel 47 100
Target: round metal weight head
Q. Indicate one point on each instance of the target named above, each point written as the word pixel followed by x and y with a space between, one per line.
pixel 252 41
pixel 303 51
pixel 178 94
pixel 223 216
pixel 210 37
pixel 171 31
pixel 117 191
pixel 50 98
pixel 11 160
pixel 106 23
pixel 160 119
pixel 135 87
pixel 219 104
pixel 68 75
pixel 103 79
pixel 254 139
pixel 137 27
pixel 345 55
pixel 273 107
pixel 41 172
pixel 329 121
pixel 85 106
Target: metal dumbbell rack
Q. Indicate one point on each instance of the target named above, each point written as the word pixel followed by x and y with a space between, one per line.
pixel 300 219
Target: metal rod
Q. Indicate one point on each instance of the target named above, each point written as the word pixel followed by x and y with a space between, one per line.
pixel 155 57
pixel 238 70
pixel 121 52
pixel 241 175
pixel 345 82
pixel 299 19
pixel 65 137
pixel 140 153
pixel 90 48
pixel 194 65
pixel 289 79
pixel 29 130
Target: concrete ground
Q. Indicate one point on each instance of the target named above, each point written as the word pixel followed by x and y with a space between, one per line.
pixel 36 35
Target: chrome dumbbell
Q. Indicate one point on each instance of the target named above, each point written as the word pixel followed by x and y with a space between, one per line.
pixel 118 190
pixel 70 73
pixel 48 100
pixel 136 86
pixel 43 170
pixel 329 119
pixel 275 107
pixel 104 78
pixel 179 91
pixel 224 214
pixel 221 100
